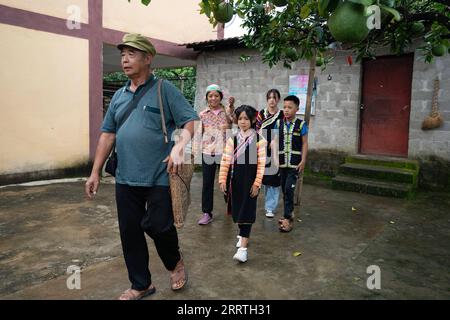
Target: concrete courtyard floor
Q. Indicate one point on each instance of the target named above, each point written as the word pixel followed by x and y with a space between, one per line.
pixel 45 229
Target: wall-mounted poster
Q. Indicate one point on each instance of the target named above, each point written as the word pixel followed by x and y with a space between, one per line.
pixel 298 86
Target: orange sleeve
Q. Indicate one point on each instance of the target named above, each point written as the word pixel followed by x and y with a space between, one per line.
pixel 227 158
pixel 261 162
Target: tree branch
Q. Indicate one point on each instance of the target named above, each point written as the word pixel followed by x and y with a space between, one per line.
pixel 430 16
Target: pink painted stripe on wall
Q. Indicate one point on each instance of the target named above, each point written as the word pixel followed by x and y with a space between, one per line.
pixel 95 74
pixel 41 22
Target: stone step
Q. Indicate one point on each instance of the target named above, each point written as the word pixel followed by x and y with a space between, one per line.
pixel 380 173
pixel 373 186
pixel 392 162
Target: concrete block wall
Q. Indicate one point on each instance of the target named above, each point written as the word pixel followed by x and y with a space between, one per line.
pixel 335 123
pixel 436 142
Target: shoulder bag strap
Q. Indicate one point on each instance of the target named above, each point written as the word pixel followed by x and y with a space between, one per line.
pixel 161 108
pixel 133 104
pixel 130 107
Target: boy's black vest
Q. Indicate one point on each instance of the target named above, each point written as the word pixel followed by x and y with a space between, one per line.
pixel 290 143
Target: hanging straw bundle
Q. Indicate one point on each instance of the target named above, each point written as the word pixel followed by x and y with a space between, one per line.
pixel 434 120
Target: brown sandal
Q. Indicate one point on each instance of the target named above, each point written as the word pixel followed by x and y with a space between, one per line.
pixel 178 277
pixel 131 294
pixel 285 225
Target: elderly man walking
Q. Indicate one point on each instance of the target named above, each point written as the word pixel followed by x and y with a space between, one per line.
pixel 144 160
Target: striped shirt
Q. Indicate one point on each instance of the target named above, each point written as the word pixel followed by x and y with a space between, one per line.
pixel 214 126
pixel 230 154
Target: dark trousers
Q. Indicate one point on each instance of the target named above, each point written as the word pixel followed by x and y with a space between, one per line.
pixel 244 230
pixel 288 181
pixel 146 210
pixel 209 174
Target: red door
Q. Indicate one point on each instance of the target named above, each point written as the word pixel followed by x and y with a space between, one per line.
pixel 385 107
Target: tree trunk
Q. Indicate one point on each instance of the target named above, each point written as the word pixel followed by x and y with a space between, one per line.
pixel 299 186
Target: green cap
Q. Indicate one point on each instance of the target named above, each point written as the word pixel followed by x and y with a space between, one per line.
pixel 137 41
pixel 213 87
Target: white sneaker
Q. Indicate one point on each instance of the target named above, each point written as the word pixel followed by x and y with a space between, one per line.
pixel 239 243
pixel 241 255
pixel 269 214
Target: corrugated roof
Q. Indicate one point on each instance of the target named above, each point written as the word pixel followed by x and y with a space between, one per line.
pixel 216 44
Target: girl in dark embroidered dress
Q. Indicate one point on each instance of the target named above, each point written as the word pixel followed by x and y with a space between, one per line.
pixel 264 125
pixel 241 173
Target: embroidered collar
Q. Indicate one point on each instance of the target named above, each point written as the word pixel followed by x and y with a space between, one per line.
pixel 269 118
pixel 243 142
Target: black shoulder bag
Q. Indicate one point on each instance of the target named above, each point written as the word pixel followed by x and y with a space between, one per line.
pixel 111 163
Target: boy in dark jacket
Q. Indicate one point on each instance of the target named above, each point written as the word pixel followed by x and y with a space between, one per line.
pixel 292 143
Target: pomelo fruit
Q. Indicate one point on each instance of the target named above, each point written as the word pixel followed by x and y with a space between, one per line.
pixel 319 61
pixel 224 12
pixel 348 24
pixel 439 50
pixel 417 28
pixel 291 54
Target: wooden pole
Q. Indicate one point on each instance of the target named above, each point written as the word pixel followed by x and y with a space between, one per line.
pixel 182 86
pixel 299 185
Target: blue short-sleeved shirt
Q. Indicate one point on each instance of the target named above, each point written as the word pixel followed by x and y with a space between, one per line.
pixel 140 143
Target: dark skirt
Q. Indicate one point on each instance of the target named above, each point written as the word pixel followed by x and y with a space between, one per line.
pixel 241 178
pixel 243 207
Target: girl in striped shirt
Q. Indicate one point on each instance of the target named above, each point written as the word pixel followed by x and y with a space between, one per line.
pixel 241 173
pixel 216 119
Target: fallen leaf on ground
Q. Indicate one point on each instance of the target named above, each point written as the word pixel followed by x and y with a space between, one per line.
pixel 353 209
pixel 391 222
pixel 297 253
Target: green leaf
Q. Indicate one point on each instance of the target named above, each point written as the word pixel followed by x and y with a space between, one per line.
pixel 319 33
pixel 306 10
pixel 389 3
pixel 323 5
pixel 144 2
pixel 363 2
pixel 392 11
pixel 244 58
pixel 240 14
pixel 206 8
